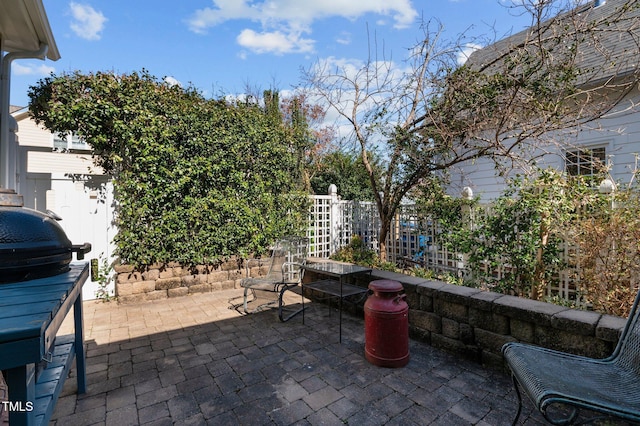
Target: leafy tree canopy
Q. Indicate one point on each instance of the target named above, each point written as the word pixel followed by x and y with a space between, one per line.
pixel 347 172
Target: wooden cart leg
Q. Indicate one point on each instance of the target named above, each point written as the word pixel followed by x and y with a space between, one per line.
pixel 21 383
pixel 78 323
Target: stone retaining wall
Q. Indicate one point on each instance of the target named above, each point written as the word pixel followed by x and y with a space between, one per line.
pixel 173 280
pixel 477 323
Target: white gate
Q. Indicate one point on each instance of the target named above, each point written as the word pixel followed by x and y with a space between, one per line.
pixel 85 209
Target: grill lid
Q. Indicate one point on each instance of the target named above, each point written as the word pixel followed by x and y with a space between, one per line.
pixel 32 243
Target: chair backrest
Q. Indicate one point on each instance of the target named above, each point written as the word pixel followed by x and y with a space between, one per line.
pixel 288 252
pixel 298 251
pixel 627 353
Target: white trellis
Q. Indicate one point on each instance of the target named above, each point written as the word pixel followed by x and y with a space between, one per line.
pixel 413 238
pixel 327 230
pixel 332 223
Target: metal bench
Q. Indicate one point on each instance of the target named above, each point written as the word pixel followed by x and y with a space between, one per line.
pixel 609 386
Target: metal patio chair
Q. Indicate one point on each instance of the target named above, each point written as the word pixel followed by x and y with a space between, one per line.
pixel 608 386
pixel 284 273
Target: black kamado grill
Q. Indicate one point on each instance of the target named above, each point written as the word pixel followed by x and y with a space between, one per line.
pixel 32 243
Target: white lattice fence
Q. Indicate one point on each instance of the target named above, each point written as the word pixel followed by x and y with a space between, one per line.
pixel 565 284
pixel 413 238
pixel 365 221
pixel 320 226
pixel 332 223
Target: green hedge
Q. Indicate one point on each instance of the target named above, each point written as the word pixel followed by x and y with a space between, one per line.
pixel 195 180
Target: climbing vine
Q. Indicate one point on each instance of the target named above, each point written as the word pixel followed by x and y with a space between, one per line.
pixel 521 235
pixel 195 180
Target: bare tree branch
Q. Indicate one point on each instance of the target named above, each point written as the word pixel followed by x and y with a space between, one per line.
pixel 512 98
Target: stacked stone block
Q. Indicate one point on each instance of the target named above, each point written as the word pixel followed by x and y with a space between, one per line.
pixel 173 280
pixel 476 324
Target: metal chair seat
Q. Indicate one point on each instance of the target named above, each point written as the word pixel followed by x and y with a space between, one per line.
pixel 609 386
pixel 265 284
pixel 260 284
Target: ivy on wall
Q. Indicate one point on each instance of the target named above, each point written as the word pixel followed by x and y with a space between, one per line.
pixel 195 180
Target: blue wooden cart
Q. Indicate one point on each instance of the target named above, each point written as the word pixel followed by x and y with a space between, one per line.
pixel 31 313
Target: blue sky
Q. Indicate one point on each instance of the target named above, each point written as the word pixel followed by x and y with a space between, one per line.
pixel 224 46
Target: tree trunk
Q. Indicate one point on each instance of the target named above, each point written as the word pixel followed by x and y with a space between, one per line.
pixel 382 243
pixel 539 282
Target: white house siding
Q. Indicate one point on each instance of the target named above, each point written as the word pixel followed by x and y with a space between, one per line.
pixel 624 133
pixel 619 132
pixel 58 162
pixel 30 134
pixel 480 176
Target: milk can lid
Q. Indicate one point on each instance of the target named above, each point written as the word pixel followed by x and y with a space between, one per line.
pixel 385 286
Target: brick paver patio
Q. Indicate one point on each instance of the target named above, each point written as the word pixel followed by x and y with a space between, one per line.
pixel 192 361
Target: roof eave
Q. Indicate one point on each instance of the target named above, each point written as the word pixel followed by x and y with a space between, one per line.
pixel 43 29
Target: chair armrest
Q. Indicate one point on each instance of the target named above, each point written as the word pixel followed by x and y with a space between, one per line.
pixel 285 270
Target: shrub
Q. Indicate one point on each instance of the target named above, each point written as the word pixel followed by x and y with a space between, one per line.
pixel 609 255
pixel 356 252
pixel 195 180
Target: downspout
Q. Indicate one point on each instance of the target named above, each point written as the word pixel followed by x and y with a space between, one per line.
pixel 6 180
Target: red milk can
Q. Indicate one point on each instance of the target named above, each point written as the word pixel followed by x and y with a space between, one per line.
pixel 386 325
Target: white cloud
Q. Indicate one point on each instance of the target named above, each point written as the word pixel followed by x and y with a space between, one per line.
pixel 358 70
pixel 466 51
pixel 225 10
pixel 287 20
pixel 341 74
pixel 40 70
pixel 171 81
pixel 275 42
pixel 344 66
pixel 87 22
pixel 344 38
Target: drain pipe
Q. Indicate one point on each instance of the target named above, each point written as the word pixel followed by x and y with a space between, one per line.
pixel 7 172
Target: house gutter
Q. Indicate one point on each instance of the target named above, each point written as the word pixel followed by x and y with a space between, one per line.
pixel 7 178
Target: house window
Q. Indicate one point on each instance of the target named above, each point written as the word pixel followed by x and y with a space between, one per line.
pixel 70 142
pixel 585 162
